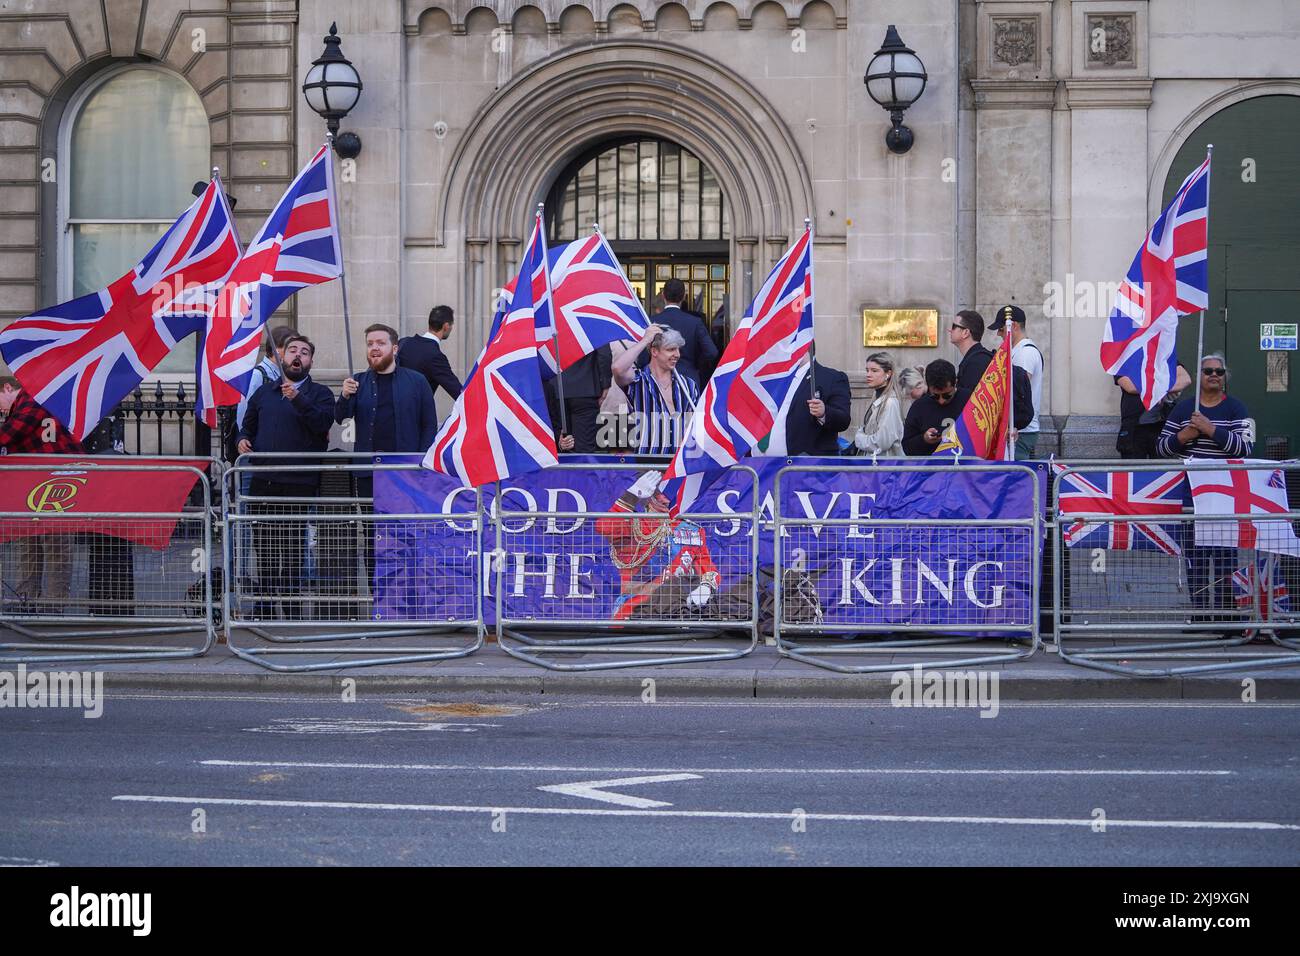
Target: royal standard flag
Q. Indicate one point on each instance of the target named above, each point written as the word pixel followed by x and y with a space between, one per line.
pixel 981 429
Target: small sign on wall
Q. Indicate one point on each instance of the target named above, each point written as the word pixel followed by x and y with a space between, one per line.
pixel 900 328
pixel 1278 338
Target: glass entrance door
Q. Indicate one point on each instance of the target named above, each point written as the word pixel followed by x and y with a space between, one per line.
pixel 707 280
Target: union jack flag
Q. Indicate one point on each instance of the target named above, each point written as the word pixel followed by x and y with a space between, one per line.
pixel 1120 493
pixel 297 246
pixel 593 302
pixel 1261 589
pixel 500 426
pixel 1169 277
pixel 590 297
pixel 748 395
pixel 80 358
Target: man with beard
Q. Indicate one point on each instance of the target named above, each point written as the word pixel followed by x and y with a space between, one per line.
pixel 392 410
pixel 293 414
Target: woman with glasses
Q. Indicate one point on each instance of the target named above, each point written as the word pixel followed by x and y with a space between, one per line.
pixel 1220 428
pixel 882 427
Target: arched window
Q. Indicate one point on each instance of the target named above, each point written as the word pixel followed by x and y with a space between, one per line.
pixel 639 190
pixel 133 143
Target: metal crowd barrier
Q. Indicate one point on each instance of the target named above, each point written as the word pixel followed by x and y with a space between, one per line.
pixel 93 576
pixel 1125 610
pixel 301 567
pixel 644 567
pixel 803 557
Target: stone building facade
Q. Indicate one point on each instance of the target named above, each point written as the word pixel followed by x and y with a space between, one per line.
pixel 1047 137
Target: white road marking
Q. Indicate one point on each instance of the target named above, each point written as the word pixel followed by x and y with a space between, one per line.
pixel 594 789
pixel 381 697
pixel 24 861
pixel 1007 772
pixel 785 815
pixel 345 725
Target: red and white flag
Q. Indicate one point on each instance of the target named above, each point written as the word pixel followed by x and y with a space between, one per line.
pixel 1240 491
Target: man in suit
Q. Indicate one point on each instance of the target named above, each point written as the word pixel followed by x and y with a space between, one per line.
pixel 965 332
pixel 817 417
pixel 699 354
pixel 423 353
pixel 585 384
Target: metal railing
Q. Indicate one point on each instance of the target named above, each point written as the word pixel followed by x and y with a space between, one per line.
pixel 640 577
pixel 1123 609
pixel 829 572
pixel 75 582
pixel 303 555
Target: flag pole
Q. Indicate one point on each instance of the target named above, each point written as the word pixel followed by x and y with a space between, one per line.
pixel 555 325
pixel 1200 330
pixel 230 306
pixel 343 277
pixel 812 346
pixel 1008 410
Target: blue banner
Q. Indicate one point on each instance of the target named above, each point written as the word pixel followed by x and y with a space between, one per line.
pixel 568 557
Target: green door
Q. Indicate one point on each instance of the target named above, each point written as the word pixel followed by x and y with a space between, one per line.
pixel 1254 257
pixel 1262 379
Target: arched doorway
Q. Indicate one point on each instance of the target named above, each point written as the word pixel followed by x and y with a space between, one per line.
pixel 1254 247
pixel 663 212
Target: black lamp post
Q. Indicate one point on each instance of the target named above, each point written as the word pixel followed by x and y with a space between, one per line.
pixel 895 79
pixel 332 88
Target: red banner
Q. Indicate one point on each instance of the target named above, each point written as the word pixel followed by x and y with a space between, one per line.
pixel 48 493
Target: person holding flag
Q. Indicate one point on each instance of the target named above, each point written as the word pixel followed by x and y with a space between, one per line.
pixel 80 358
pixel 1169 277
pixel 500 425
pixel 751 396
pixel 984 426
pixel 1212 424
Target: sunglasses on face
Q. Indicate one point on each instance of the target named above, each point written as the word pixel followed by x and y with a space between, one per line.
pixel 1213 371
pixel 957 325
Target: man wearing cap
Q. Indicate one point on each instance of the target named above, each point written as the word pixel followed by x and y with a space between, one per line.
pixel 1028 356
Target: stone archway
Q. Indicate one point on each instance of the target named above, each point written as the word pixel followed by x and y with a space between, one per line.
pixel 592 93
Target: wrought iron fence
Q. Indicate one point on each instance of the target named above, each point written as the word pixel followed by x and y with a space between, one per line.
pixel 160 420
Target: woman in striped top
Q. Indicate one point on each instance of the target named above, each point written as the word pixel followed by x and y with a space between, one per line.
pixel 1222 428
pixel 662 398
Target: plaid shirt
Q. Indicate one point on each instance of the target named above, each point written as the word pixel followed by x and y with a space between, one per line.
pixel 24 431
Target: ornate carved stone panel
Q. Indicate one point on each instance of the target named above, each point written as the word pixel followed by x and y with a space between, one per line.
pixel 1015 40
pixel 1111 40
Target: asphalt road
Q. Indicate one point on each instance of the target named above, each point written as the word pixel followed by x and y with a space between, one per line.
pixel 497 781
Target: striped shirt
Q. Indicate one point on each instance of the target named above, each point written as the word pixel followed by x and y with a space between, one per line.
pixel 1234 433
pixel 657 426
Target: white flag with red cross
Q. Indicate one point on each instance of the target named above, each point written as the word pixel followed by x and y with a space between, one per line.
pixel 1242 491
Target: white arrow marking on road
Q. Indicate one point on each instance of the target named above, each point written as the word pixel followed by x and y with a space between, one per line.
pixel 591 789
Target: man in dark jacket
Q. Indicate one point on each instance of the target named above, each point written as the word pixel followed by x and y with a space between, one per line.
pixel 423 354
pixel 699 355
pixel 965 332
pixel 932 413
pixel 817 417
pixel 392 409
pixel 585 384
pixel 293 414
pixel 391 406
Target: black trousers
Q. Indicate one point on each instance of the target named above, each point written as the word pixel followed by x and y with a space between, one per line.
pixel 581 414
pixel 280 545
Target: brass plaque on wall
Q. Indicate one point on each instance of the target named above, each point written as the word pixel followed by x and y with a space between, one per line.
pixel 900 328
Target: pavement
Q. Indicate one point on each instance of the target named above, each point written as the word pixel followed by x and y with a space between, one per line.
pixel 438 779
pixel 764 674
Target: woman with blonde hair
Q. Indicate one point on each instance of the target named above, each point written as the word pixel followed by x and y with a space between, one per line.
pixel 882 428
pixel 911 383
